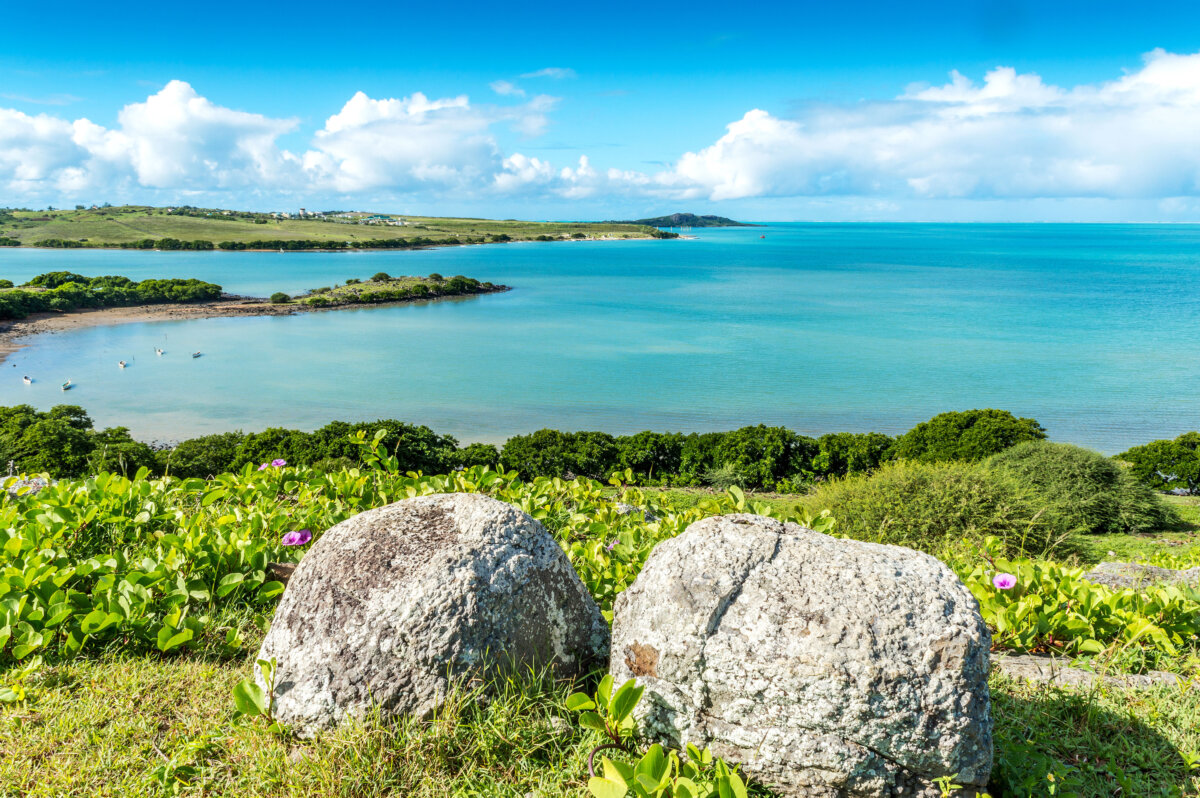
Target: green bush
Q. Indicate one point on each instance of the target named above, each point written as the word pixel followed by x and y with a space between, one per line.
pixel 1167 464
pixel 969 435
pixel 842 453
pixel 280 298
pixel 1081 491
pixel 934 507
pixel 380 277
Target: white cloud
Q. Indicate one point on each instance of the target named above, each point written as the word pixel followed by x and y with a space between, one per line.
pixel 556 73
pixel 1009 138
pixel 506 88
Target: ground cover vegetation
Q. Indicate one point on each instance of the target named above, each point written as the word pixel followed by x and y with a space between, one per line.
pixel 132 607
pixel 143 227
pixel 385 288
pixel 65 291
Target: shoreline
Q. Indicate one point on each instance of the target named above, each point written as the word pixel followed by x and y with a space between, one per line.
pixel 14 331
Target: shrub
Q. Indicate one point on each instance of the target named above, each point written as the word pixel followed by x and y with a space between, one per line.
pixel 1081 491
pixel 551 453
pixel 969 435
pixel 934 506
pixel 437 278
pixel 477 454
pixel 380 277
pixel 280 298
pixel 765 455
pixel 842 453
pixel 650 455
pixel 205 456
pixel 1167 464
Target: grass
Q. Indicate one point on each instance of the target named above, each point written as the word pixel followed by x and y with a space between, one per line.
pixel 126 224
pixel 122 725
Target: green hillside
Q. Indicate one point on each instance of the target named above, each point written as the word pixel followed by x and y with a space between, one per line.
pixel 129 225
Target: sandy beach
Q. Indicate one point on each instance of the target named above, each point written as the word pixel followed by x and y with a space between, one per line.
pixel 12 332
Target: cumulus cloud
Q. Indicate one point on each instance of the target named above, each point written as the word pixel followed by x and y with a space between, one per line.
pixel 556 73
pixel 1013 136
pixel 1009 137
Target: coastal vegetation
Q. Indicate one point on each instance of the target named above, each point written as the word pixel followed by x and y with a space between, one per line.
pixel 65 291
pixel 383 288
pixel 133 606
pixel 185 228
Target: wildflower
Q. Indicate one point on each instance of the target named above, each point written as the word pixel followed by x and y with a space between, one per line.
pixel 264 466
pixel 612 545
pixel 279 462
pixel 1004 581
pixel 297 538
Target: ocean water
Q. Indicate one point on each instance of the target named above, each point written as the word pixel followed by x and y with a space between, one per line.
pixel 1094 330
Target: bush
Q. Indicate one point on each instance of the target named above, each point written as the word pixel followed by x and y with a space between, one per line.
pixel 1081 491
pixel 765 455
pixel 1167 464
pixel 551 453
pixel 202 457
pixel 650 455
pixel 280 298
pixel 842 453
pixel 380 277
pixel 477 454
pixel 934 507
pixel 971 435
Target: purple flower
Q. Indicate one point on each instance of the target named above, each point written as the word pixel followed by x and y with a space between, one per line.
pixel 1004 581
pixel 612 545
pixel 279 462
pixel 264 466
pixel 297 538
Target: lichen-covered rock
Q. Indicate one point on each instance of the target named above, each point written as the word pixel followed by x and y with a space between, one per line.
pixel 392 605
pixel 826 667
pixel 1121 575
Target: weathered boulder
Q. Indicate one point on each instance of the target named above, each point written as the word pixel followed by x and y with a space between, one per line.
pixel 392 605
pixel 825 667
pixel 1121 575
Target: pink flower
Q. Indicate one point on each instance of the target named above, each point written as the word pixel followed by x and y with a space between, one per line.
pixel 297 538
pixel 611 546
pixel 264 466
pixel 279 462
pixel 1004 581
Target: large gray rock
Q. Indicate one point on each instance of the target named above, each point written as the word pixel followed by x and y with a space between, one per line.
pixel 1122 575
pixel 826 667
pixel 1058 672
pixel 390 606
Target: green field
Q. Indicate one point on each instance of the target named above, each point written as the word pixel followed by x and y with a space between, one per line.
pixel 114 226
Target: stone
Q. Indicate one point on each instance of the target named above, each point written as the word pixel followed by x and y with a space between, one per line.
pixel 825 667
pixel 1058 672
pixel 1122 575
pixel 393 606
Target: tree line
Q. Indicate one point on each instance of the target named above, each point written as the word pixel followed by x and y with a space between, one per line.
pixel 66 291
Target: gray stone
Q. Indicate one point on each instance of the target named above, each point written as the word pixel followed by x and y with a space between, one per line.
pixel 1121 575
pixel 393 605
pixel 826 667
pixel 1057 672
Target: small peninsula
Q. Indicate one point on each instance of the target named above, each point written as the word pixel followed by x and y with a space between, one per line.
pixel 687 220
pixel 191 228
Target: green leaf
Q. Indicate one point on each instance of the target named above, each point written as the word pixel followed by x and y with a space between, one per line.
pixel 249 698
pixel 590 720
pixel 173 641
pixel 652 765
pixel 229 583
pixel 93 622
pixel 577 702
pixel 624 700
pixel 603 788
pixel 271 589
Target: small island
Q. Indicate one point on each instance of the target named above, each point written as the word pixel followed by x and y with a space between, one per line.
pixel 687 220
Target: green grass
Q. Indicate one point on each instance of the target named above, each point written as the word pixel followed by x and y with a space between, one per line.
pixel 126 224
pixel 122 725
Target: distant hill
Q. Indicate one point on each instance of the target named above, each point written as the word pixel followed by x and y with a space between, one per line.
pixel 688 220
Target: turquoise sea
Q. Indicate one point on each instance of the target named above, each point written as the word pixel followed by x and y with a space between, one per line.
pixel 1092 329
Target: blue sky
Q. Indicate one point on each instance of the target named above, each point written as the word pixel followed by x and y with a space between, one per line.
pixel 1059 111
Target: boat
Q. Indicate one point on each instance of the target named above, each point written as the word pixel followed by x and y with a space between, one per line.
pixel 121 363
pixel 196 354
pixel 762 236
pixel 27 380
pixel 66 386
pixel 158 351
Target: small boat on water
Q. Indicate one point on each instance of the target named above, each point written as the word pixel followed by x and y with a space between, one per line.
pixel 121 363
pixel 762 236
pixel 27 380
pixel 196 354
pixel 66 386
pixel 158 351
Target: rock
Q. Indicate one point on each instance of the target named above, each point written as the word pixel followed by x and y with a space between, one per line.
pixel 281 571
pixel 629 509
pixel 1121 575
pixel 825 667
pixel 391 606
pixel 28 486
pixel 1057 672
